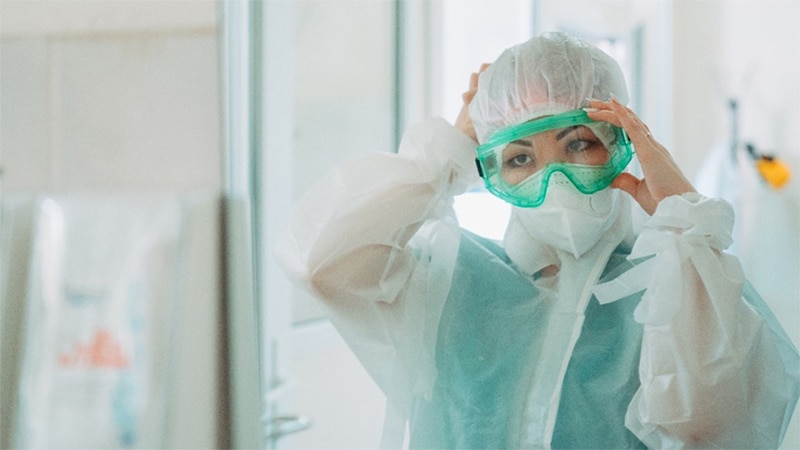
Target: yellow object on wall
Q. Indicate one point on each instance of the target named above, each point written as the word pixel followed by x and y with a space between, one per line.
pixel 774 172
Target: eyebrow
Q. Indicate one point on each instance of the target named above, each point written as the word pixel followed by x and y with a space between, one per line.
pixel 559 136
pixel 566 131
pixel 522 142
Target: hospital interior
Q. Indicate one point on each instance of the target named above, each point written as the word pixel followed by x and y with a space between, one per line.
pixel 150 153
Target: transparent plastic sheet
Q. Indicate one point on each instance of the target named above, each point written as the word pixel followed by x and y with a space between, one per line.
pixel 716 368
pixel 338 228
pixel 100 305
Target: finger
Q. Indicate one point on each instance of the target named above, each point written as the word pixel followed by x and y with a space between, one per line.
pixel 637 189
pixel 604 111
pixel 617 114
pixel 602 105
pixel 614 106
pixel 604 116
pixel 627 182
pixel 632 123
pixel 647 148
pixel 599 104
pixel 473 80
pixel 621 116
pixel 467 97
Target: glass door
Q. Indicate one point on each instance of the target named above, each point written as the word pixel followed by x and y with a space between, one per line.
pixel 344 105
pixel 309 84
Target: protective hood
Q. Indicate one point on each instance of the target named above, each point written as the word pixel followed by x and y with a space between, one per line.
pixel 549 74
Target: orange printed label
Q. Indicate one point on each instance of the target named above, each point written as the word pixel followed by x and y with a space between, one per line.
pixel 104 351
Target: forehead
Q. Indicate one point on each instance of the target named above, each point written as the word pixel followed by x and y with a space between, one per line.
pixel 555 134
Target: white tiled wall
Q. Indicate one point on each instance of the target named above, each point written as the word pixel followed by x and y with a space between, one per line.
pixel 138 113
pixel 94 101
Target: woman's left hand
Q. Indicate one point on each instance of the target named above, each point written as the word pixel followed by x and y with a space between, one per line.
pixel 662 176
pixel 464 122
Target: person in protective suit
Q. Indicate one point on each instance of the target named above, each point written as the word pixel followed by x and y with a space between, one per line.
pixel 579 330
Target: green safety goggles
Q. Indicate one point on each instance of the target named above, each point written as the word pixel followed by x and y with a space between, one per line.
pixel 516 163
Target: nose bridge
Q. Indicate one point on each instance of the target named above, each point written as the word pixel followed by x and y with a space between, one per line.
pixel 547 148
pixel 557 176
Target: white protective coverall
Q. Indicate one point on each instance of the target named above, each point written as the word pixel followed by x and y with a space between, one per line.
pixel 650 338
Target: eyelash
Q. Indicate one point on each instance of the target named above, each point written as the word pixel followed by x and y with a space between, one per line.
pixel 588 142
pixel 510 161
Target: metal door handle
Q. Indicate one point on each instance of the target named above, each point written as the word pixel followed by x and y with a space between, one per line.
pixel 281 426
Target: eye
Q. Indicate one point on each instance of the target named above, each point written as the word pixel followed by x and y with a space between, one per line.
pixel 521 160
pixel 580 139
pixel 518 154
pixel 578 145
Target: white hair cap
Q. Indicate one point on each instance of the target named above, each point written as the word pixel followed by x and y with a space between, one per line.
pixel 549 74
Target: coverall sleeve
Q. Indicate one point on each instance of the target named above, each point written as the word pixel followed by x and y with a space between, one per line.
pixel 369 237
pixel 716 368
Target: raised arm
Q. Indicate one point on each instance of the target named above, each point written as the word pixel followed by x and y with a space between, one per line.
pixel 347 236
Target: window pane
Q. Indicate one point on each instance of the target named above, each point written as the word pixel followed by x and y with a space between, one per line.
pixel 344 102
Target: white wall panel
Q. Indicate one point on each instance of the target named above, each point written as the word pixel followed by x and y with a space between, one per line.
pixel 25 120
pixel 82 17
pixel 137 112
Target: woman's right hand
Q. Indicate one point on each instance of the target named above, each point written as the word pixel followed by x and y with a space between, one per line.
pixel 662 176
pixel 464 121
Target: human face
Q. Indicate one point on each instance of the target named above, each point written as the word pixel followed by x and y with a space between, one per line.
pixel 575 144
pixel 516 162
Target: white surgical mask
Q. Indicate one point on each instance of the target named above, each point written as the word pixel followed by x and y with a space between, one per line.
pixel 567 220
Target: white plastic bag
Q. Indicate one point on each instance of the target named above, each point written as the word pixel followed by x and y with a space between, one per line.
pixel 100 305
